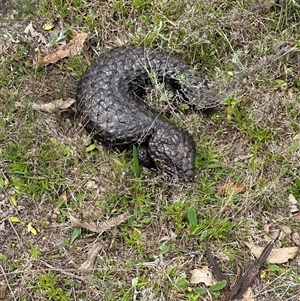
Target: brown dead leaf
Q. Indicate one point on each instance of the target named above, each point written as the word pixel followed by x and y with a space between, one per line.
pixel 102 227
pixel 77 223
pixel 203 275
pixel 296 238
pixel 280 255
pixel 233 188
pixel 275 231
pixel 89 263
pixel 64 197
pixel 266 228
pixel 72 48
pixel 49 107
pixel 248 295
pixel 165 238
pixel 286 229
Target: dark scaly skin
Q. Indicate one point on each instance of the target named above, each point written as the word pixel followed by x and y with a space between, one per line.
pixel 109 98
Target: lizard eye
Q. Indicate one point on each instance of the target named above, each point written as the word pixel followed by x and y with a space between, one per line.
pixel 145 158
pixel 143 154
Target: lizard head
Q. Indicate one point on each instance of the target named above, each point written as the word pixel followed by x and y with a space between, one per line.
pixel 170 149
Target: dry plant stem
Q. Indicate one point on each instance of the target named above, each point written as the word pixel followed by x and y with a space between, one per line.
pixel 217 271
pixel 73 275
pixel 236 81
pixel 247 279
pixel 244 279
pixel 7 282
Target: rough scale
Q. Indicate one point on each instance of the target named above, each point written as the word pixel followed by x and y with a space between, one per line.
pixel 110 100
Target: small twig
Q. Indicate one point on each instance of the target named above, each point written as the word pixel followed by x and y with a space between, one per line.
pixel 7 283
pixel 49 266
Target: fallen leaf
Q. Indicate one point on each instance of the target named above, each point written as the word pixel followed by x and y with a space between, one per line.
pixel 13 200
pixel 50 107
pixel 31 229
pixel 64 197
pixel 221 285
pixel 91 184
pixel 102 227
pixel 72 48
pixel 233 188
pixel 29 30
pixel 275 230
pixel 279 255
pixel 77 223
pixel 90 148
pixel 14 219
pixel 293 205
pixel 296 238
pixel 279 83
pixel 296 137
pixel 286 229
pixel 248 295
pixel 48 26
pixel 165 238
pixel 89 263
pixel 266 228
pixel 203 275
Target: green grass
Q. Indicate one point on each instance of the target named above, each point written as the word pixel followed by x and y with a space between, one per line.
pixel 50 288
pixel 50 169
